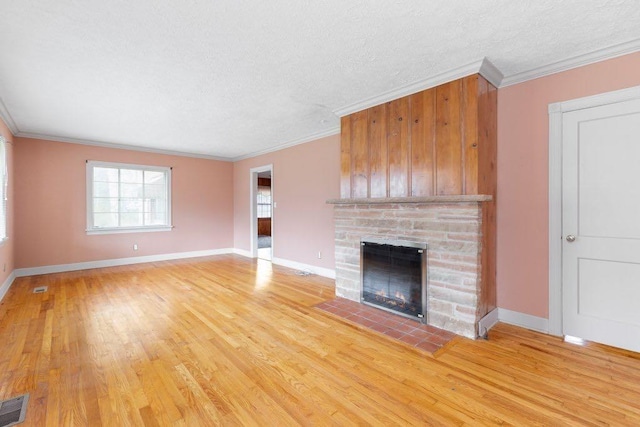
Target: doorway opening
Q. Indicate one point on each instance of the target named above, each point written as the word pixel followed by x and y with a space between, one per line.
pixel 262 212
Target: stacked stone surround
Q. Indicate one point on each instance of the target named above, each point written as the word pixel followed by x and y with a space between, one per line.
pixel 453 233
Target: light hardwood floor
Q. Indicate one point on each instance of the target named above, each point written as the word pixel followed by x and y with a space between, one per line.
pixel 227 340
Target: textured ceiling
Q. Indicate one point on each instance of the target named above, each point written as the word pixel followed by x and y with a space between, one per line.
pixel 230 78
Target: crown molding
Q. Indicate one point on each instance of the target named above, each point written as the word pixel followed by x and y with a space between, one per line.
pixel 574 62
pixel 491 72
pixel 120 146
pixel 291 143
pixel 483 67
pixel 312 137
pixel 7 119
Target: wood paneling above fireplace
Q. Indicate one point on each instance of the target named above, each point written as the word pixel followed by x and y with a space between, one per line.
pixel 429 146
pixel 441 141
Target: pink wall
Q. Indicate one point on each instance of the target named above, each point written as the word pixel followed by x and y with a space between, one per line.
pixel 51 205
pixel 211 198
pixel 7 248
pixel 523 142
pixel 304 177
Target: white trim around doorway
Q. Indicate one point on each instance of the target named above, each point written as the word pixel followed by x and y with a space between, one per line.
pixel 556 110
pixel 253 216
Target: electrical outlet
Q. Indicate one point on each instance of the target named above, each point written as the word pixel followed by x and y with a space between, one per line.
pixel 135 246
pixel 319 254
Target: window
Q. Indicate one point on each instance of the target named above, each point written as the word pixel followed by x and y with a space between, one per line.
pixel 4 177
pixel 127 198
pixel 264 202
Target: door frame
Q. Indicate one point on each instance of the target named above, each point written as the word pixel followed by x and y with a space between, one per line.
pixel 253 203
pixel 556 111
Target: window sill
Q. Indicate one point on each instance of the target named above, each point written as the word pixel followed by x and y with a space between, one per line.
pixel 120 230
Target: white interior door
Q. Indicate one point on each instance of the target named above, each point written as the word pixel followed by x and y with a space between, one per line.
pixel 601 224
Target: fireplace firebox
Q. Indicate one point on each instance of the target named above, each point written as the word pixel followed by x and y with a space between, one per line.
pixel 394 276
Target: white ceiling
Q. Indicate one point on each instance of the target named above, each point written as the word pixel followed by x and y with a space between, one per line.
pixel 232 78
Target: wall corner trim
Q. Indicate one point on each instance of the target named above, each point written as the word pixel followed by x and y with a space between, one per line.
pixel 7 119
pixel 488 322
pixel 523 320
pixel 7 284
pixel 490 72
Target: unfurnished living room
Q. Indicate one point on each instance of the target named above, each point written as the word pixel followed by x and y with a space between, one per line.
pixel 319 213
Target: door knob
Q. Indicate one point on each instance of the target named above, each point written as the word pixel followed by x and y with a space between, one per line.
pixel 571 238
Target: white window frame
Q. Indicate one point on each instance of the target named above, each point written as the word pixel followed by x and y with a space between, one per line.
pixel 4 188
pixel 259 204
pixel 91 229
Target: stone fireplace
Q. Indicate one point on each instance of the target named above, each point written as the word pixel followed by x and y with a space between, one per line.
pixel 451 226
pixel 422 168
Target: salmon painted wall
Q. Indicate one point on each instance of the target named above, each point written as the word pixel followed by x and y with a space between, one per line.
pixel 7 248
pixel 51 205
pixel 523 175
pixel 304 177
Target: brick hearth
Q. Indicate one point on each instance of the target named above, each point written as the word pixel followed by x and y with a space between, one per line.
pixel 409 331
pixel 453 233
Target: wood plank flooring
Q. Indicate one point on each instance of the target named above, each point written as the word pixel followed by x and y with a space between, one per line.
pixel 230 341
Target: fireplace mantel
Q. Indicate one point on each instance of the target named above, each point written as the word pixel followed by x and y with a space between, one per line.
pixel 398 200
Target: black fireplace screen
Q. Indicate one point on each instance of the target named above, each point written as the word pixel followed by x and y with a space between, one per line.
pixel 394 276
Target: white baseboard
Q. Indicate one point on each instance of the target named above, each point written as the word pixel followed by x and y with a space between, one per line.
pixel 59 268
pixel 324 272
pixel 242 252
pixel 528 321
pixel 7 284
pixel 488 322
pixel 33 271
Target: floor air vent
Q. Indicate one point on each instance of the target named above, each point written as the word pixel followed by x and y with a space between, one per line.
pixel 13 411
pixel 38 290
